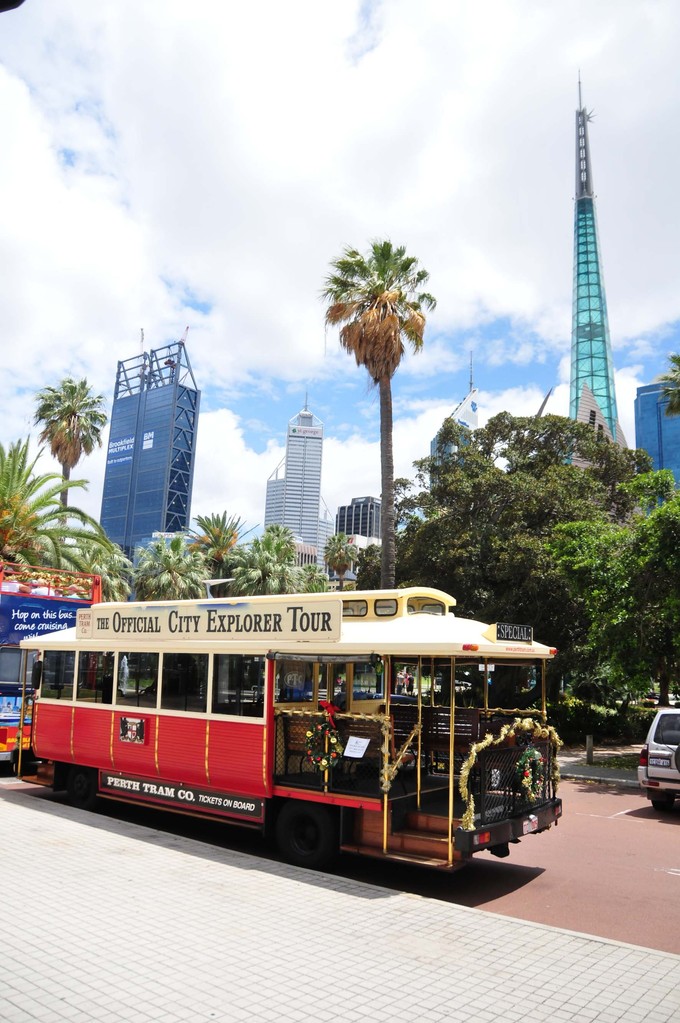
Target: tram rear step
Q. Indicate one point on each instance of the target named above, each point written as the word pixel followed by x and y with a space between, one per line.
pixel 416 859
pixel 430 823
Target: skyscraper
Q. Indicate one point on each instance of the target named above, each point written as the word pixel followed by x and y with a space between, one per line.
pixel 294 488
pixel 359 518
pixel 592 393
pixel 150 459
pixel 656 432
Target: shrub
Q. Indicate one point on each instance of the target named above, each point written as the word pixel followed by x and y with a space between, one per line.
pixel 574 719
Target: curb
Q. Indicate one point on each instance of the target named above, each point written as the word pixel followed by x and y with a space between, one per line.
pixel 569 774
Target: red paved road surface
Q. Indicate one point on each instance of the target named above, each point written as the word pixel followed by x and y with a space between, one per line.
pixel 611 868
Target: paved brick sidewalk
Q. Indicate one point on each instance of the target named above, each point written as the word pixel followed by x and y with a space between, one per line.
pixel 109 922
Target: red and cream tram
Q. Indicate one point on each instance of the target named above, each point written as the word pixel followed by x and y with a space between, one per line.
pixel 376 721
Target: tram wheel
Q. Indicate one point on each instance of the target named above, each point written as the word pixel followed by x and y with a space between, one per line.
pixel 307 834
pixel 81 787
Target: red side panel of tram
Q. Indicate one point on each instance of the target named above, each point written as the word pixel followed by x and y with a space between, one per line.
pixel 215 754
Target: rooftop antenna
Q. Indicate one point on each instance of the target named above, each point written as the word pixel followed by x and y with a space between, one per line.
pixel 471 382
pixel 580 102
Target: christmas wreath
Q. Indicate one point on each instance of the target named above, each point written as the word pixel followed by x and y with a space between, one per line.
pixel 324 747
pixel 531 773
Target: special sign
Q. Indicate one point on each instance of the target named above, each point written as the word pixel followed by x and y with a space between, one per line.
pixel 301 620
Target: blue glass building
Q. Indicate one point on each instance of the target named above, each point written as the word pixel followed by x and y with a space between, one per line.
pixel 150 459
pixel 592 396
pixel 656 432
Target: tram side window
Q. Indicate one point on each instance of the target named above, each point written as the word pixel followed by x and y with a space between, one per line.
pixel 137 679
pixel 58 671
pixel 514 686
pixel 10 665
pixel 238 685
pixel 95 677
pixel 294 681
pixel 369 681
pixel 185 682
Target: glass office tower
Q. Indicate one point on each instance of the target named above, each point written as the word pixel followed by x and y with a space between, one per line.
pixel 592 394
pixel 150 459
pixel 656 432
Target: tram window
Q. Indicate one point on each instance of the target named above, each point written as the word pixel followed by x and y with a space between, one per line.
pixel 421 605
pixel 10 665
pixel 238 685
pixel 58 670
pixel 354 608
pixel 294 682
pixel 185 682
pixel 137 679
pixel 368 681
pixel 95 677
pixel 385 608
pixel 514 686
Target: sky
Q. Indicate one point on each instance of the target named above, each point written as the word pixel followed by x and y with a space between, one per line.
pixel 173 164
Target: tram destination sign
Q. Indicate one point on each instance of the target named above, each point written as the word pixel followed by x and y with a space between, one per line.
pixel 300 620
pixel 506 632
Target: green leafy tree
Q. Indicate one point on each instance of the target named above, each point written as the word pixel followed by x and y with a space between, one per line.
pixel 379 301
pixel 368 568
pixel 672 389
pixel 340 555
pixel 216 537
pixel 169 570
pixel 72 420
pixel 479 521
pixel 267 564
pixel 33 526
pixel 626 578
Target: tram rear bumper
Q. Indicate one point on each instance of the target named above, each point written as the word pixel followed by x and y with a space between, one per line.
pixel 512 829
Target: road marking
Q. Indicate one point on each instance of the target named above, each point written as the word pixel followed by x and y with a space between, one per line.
pixel 675 871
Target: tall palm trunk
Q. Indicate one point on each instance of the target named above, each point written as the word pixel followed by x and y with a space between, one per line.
pixel 388 557
pixel 66 474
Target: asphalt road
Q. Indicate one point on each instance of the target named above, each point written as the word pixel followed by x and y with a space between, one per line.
pixel 610 868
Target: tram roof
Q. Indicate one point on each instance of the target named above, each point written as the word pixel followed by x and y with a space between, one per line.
pixel 412 635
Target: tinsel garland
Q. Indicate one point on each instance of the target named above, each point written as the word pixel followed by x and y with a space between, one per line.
pixel 537 729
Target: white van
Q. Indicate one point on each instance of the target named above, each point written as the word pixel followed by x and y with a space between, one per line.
pixel 659 768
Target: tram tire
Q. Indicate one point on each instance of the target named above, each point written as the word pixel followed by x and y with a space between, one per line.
pixel 81 787
pixel 307 834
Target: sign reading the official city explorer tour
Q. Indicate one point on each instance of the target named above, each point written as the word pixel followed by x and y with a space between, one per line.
pixel 505 632
pixel 301 620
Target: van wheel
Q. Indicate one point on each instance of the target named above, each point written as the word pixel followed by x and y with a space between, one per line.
pixel 81 787
pixel 665 803
pixel 307 834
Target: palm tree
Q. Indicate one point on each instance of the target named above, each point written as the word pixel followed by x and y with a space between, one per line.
pixel 216 537
pixel 672 389
pixel 169 571
pixel 313 579
pixel 72 420
pixel 379 301
pixel 340 554
pixel 33 527
pixel 267 564
pixel 112 565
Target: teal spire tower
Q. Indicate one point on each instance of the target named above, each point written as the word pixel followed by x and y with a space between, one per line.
pixel 592 394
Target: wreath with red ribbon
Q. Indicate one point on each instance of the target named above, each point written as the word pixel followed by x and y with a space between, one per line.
pixel 324 746
pixel 531 773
